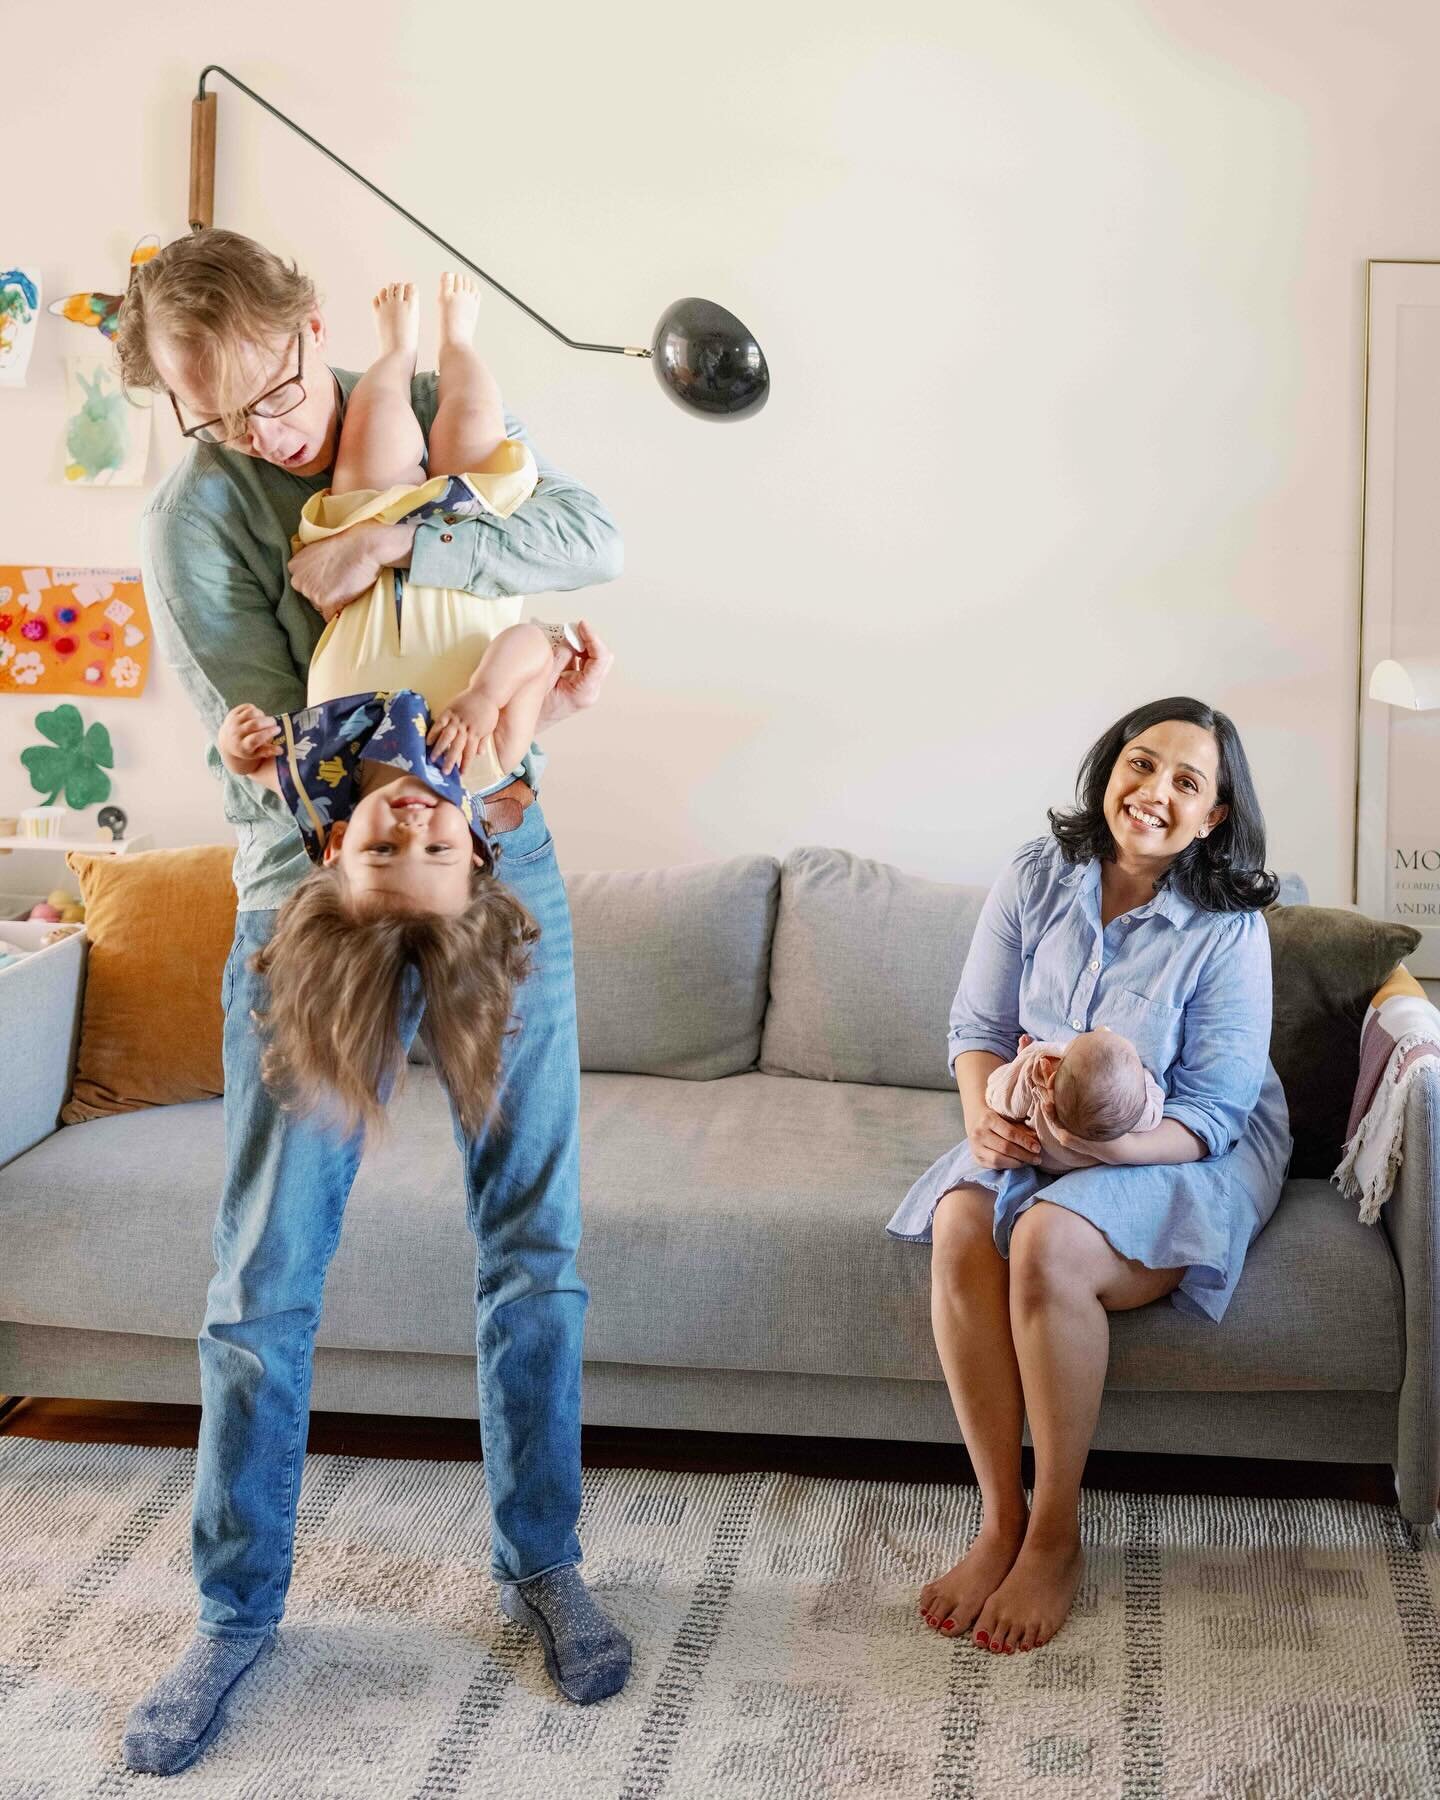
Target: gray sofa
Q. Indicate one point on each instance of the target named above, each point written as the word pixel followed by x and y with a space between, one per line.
pixel 763 1049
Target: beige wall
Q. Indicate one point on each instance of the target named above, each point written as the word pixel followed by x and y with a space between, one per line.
pixel 1064 306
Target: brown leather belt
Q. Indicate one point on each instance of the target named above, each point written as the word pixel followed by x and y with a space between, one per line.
pixel 505 808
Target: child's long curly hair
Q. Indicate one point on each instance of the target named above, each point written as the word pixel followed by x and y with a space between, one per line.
pixel 337 978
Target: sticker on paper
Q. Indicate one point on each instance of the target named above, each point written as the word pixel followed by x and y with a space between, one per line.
pixel 73 631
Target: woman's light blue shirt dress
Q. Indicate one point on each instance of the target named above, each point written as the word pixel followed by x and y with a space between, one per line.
pixel 1191 990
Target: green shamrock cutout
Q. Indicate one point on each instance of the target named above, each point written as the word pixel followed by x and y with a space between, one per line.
pixel 77 763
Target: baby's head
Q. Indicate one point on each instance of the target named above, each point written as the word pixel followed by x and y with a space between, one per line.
pixel 364 936
pixel 1099 1087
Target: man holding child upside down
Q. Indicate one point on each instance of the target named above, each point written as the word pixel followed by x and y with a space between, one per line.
pixel 235 337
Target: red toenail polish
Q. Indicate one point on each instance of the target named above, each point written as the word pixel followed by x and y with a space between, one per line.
pixel 982 1637
pixel 949 1625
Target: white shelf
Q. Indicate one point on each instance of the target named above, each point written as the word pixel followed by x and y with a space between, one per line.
pixel 57 846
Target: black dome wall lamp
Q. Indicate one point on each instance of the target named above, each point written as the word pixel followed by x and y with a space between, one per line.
pixel 703 357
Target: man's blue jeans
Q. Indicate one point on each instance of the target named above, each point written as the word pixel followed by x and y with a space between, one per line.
pixel 287 1180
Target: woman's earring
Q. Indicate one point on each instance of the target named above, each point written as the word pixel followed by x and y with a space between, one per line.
pixel 1204 831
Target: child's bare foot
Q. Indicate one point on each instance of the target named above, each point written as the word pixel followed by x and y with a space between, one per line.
pixel 459 308
pixel 1033 1601
pixel 952 1604
pixel 397 319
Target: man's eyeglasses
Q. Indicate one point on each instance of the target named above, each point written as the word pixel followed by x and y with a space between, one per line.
pixel 274 403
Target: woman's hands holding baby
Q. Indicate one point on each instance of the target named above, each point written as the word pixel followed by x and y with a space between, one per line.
pixel 248 740
pixel 1001 1143
pixel 998 1142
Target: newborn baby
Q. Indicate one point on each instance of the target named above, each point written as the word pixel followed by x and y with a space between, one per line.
pixel 1095 1088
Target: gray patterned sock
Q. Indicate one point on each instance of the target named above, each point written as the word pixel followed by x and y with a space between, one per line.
pixel 587 1657
pixel 183 1712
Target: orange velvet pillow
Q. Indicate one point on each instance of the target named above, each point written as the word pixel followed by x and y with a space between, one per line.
pixel 160 925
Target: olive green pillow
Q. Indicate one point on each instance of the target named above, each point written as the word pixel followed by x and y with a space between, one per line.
pixel 1326 964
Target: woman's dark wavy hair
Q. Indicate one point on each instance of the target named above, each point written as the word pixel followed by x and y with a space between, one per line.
pixel 1224 872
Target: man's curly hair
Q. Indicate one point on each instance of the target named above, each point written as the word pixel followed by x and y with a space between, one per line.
pixel 209 295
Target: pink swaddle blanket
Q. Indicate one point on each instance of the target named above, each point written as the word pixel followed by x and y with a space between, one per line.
pixel 1022 1090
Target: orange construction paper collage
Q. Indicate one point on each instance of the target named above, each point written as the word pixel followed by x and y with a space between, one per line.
pixel 73 631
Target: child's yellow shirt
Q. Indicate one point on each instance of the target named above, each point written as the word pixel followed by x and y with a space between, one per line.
pixel 403 636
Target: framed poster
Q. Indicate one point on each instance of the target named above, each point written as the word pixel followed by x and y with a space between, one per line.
pixel 1397 826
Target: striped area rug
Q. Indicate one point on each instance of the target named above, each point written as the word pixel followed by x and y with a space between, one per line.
pixel 1220 1648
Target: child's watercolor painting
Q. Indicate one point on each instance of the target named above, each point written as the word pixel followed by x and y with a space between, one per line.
pixel 107 429
pixel 19 311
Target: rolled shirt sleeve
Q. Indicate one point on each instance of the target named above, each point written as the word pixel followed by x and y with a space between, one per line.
pixel 562 538
pixel 985 1014
pixel 1216 1079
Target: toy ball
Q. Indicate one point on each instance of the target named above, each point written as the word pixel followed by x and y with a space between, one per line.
pixel 73 914
pixel 42 909
pixel 59 897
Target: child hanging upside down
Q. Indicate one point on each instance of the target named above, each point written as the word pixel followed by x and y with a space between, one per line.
pixel 422 706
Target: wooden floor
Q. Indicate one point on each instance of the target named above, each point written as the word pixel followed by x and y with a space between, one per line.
pixel 356 1434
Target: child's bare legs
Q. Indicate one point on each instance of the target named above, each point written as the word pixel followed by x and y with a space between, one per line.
pixel 470 420
pixel 503 701
pixel 381 443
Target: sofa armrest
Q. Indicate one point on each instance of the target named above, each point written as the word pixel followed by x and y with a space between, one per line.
pixel 1411 1217
pixel 40 1004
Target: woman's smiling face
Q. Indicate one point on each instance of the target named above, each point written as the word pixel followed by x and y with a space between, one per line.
pixel 1163 792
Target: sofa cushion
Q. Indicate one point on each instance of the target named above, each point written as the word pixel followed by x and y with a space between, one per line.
pixel 670 965
pixel 864 966
pixel 160 925
pixel 735 1224
pixel 865 962
pixel 1326 964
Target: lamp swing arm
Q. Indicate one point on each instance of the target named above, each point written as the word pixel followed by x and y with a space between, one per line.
pixel 449 249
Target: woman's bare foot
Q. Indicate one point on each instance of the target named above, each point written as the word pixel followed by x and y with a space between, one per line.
pixel 397 320
pixel 1034 1600
pixel 951 1604
pixel 459 309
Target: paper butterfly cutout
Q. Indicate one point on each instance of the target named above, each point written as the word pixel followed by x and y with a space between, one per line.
pixel 103 310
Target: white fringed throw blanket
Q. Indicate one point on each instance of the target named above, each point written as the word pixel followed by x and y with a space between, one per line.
pixel 1396 1040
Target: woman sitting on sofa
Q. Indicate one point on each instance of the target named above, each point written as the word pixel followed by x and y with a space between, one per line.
pixel 1139 912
